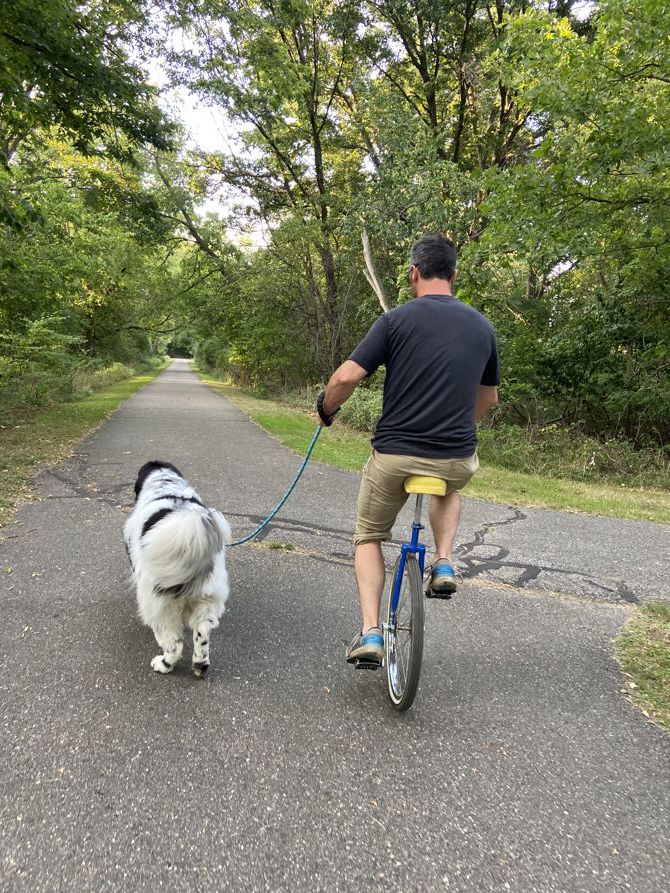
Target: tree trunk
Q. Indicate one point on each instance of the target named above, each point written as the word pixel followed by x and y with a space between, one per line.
pixel 371 273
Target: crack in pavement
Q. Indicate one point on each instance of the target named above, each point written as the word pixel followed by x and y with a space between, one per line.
pixel 528 572
pixel 474 566
pixel 470 565
pixel 88 492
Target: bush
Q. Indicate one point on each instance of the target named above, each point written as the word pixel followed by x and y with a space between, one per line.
pixel 42 366
pixel 212 356
pixel 362 409
pixel 37 364
pixel 88 378
pixel 568 452
pixel 551 450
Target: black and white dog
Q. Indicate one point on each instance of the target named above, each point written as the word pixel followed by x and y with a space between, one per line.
pixel 176 547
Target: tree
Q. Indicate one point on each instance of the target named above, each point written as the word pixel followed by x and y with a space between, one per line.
pixel 587 215
pixel 277 70
pixel 67 67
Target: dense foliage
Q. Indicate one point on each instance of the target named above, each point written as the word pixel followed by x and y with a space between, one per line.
pixel 537 138
pixel 538 141
pixel 92 258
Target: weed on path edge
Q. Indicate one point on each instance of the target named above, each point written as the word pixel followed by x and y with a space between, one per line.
pixel 643 651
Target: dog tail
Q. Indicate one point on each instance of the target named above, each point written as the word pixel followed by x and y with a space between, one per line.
pixel 181 546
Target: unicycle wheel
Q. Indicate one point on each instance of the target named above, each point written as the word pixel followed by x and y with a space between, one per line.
pixel 403 635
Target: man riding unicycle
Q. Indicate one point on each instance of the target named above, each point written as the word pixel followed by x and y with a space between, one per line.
pixel 442 377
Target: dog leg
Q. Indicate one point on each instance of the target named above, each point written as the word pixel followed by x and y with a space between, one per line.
pixel 172 644
pixel 202 627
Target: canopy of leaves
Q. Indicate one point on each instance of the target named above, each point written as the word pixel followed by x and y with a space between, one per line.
pixel 536 139
pixel 67 66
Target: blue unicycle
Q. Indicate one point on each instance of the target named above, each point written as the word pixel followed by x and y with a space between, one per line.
pixel 404 626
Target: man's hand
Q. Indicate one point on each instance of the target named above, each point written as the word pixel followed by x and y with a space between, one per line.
pixel 340 387
pixel 326 419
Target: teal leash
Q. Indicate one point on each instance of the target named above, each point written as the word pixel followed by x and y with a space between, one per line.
pixel 290 490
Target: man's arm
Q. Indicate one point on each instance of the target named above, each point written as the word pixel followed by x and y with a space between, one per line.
pixel 342 384
pixel 370 354
pixel 486 398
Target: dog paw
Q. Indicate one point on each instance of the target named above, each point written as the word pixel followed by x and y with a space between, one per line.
pixel 160 665
pixel 200 668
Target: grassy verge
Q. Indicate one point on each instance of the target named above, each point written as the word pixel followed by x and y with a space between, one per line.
pixel 345 448
pixel 30 438
pixel 643 650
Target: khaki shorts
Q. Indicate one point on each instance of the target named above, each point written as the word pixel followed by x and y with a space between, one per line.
pixel 382 492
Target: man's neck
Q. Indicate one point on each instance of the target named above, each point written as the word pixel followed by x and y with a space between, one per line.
pixel 432 287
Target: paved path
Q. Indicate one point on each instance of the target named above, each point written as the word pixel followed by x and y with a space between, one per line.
pixel 520 767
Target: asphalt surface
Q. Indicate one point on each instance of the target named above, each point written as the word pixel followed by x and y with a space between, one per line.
pixel 520 767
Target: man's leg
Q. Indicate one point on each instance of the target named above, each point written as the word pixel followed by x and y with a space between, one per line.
pixel 370 577
pixel 444 513
pixel 380 498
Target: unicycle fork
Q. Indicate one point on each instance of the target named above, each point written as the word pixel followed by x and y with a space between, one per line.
pixel 404 625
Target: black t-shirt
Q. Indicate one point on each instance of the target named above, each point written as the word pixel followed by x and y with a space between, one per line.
pixel 437 351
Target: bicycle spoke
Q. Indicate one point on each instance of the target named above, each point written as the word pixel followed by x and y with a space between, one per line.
pixel 403 643
pixel 401 598
pixel 406 649
pixel 401 663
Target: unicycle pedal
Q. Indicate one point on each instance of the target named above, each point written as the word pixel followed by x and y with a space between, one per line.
pixel 444 595
pixel 363 664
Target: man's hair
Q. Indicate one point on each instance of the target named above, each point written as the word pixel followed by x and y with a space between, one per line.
pixel 434 256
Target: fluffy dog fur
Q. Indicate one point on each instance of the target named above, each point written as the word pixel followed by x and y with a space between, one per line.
pixel 176 547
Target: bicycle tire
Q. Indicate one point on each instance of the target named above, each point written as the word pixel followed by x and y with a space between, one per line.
pixel 403 666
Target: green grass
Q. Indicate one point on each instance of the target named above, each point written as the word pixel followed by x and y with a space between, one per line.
pixel 643 650
pixel 345 448
pixel 33 438
pixel 277 546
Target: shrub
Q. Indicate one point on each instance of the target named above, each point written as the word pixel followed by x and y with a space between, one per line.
pixel 568 452
pixel 362 409
pixel 87 378
pixel 41 366
pixel 37 364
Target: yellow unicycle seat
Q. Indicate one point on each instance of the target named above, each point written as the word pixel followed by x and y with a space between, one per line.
pixel 419 484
